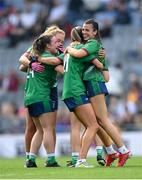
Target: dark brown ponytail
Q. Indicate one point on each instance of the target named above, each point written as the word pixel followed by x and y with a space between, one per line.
pixel 40 44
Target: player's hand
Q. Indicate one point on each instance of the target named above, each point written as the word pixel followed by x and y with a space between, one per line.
pixel 59 69
pixel 37 67
pixel 67 49
pixel 102 53
pixel 61 49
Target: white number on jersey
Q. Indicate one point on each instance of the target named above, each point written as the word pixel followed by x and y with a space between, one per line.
pixel 66 62
pixel 32 74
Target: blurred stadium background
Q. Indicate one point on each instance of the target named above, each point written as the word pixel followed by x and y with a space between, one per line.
pixel 120 22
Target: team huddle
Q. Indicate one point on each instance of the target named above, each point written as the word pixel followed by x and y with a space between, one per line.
pixel 85 72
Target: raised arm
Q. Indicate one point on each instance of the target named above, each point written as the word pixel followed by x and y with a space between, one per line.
pixel 24 59
pixel 29 62
pixel 78 53
pixel 102 53
pixel 59 69
pixel 49 60
pixel 105 71
pixel 97 63
pixel 106 75
pixel 23 68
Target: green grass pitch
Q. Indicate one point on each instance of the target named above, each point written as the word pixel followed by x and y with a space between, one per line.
pixel 14 169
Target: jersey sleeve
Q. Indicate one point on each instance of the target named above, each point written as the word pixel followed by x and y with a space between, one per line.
pixel 61 57
pixel 44 55
pixel 88 58
pixel 91 47
pixel 105 65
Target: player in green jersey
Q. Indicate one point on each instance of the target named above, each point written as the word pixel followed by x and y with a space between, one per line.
pixel 72 88
pixel 39 103
pixel 74 96
pixel 76 125
pixel 30 128
pixel 97 92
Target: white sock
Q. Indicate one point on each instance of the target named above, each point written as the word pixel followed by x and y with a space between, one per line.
pixel 51 154
pixel 27 153
pixel 32 154
pixel 75 153
pixel 99 147
pixel 110 150
pixel 123 149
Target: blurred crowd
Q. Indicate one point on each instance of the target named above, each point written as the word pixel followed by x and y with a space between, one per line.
pixel 121 30
pixel 24 19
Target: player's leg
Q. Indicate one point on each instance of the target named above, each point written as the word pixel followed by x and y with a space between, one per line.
pixel 100 151
pixel 35 143
pixel 45 122
pixel 97 91
pixel 54 100
pixel 74 139
pixel 111 154
pixel 29 132
pixel 85 114
pixel 87 117
pixel 99 105
pixel 48 123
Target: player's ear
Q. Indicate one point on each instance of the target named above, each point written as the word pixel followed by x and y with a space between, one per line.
pixel 95 32
pixel 48 46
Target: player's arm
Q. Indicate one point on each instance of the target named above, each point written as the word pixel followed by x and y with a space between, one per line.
pixel 105 71
pixel 78 53
pixel 97 63
pixel 59 69
pixel 31 62
pixel 91 47
pixel 93 60
pixel 24 59
pixel 49 60
pixel 106 75
pixel 54 60
pixel 102 53
pixel 23 68
pixel 24 62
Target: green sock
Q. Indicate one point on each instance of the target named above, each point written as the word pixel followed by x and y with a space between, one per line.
pixel 32 157
pixel 100 152
pixel 74 159
pixel 51 159
pixel 27 157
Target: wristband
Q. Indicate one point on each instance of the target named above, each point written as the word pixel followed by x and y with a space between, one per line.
pixel 105 69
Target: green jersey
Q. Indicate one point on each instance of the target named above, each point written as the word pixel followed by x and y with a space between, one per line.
pixel 94 73
pixel 73 71
pixel 91 72
pixel 92 46
pixel 38 85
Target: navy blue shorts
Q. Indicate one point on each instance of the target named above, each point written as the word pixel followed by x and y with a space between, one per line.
pixel 74 102
pixel 54 98
pixel 38 108
pixel 94 88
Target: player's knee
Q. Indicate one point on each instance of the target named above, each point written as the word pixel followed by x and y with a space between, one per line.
pixel 103 124
pixel 95 126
